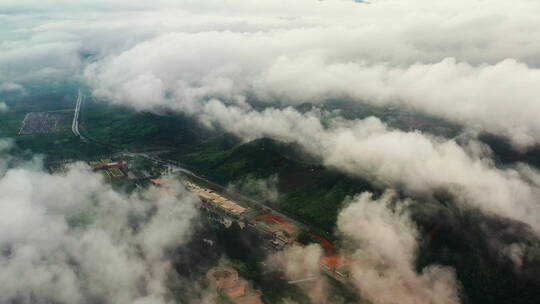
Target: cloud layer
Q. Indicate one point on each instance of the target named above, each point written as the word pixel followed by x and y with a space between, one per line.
pixel 383 266
pixel 472 62
pixel 415 162
pixel 72 239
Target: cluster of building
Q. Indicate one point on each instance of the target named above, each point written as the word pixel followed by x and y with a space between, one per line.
pixel 113 169
pixel 237 289
pixel 216 200
pixel 110 169
pixel 278 230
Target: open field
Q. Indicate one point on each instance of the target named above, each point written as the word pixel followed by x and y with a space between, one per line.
pixel 46 130
pixel 43 122
pixel 42 106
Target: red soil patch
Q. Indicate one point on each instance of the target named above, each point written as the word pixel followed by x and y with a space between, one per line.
pixel 278 221
pixel 334 261
pixel 329 249
pixel 274 218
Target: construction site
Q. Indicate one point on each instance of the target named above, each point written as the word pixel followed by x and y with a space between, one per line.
pixel 278 231
pixel 227 281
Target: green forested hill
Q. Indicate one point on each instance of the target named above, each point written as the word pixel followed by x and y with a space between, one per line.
pixel 306 190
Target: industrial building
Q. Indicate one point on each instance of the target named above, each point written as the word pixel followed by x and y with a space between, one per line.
pixel 210 196
pixel 109 169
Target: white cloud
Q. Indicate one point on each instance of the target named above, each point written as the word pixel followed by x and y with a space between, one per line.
pixel 70 238
pixel 265 189
pixel 501 99
pixel 383 52
pixel 3 107
pixel 416 162
pixel 383 264
pixel 10 87
pixel 302 263
pixel 381 247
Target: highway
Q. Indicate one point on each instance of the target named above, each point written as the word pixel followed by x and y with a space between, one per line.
pixel 75 124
